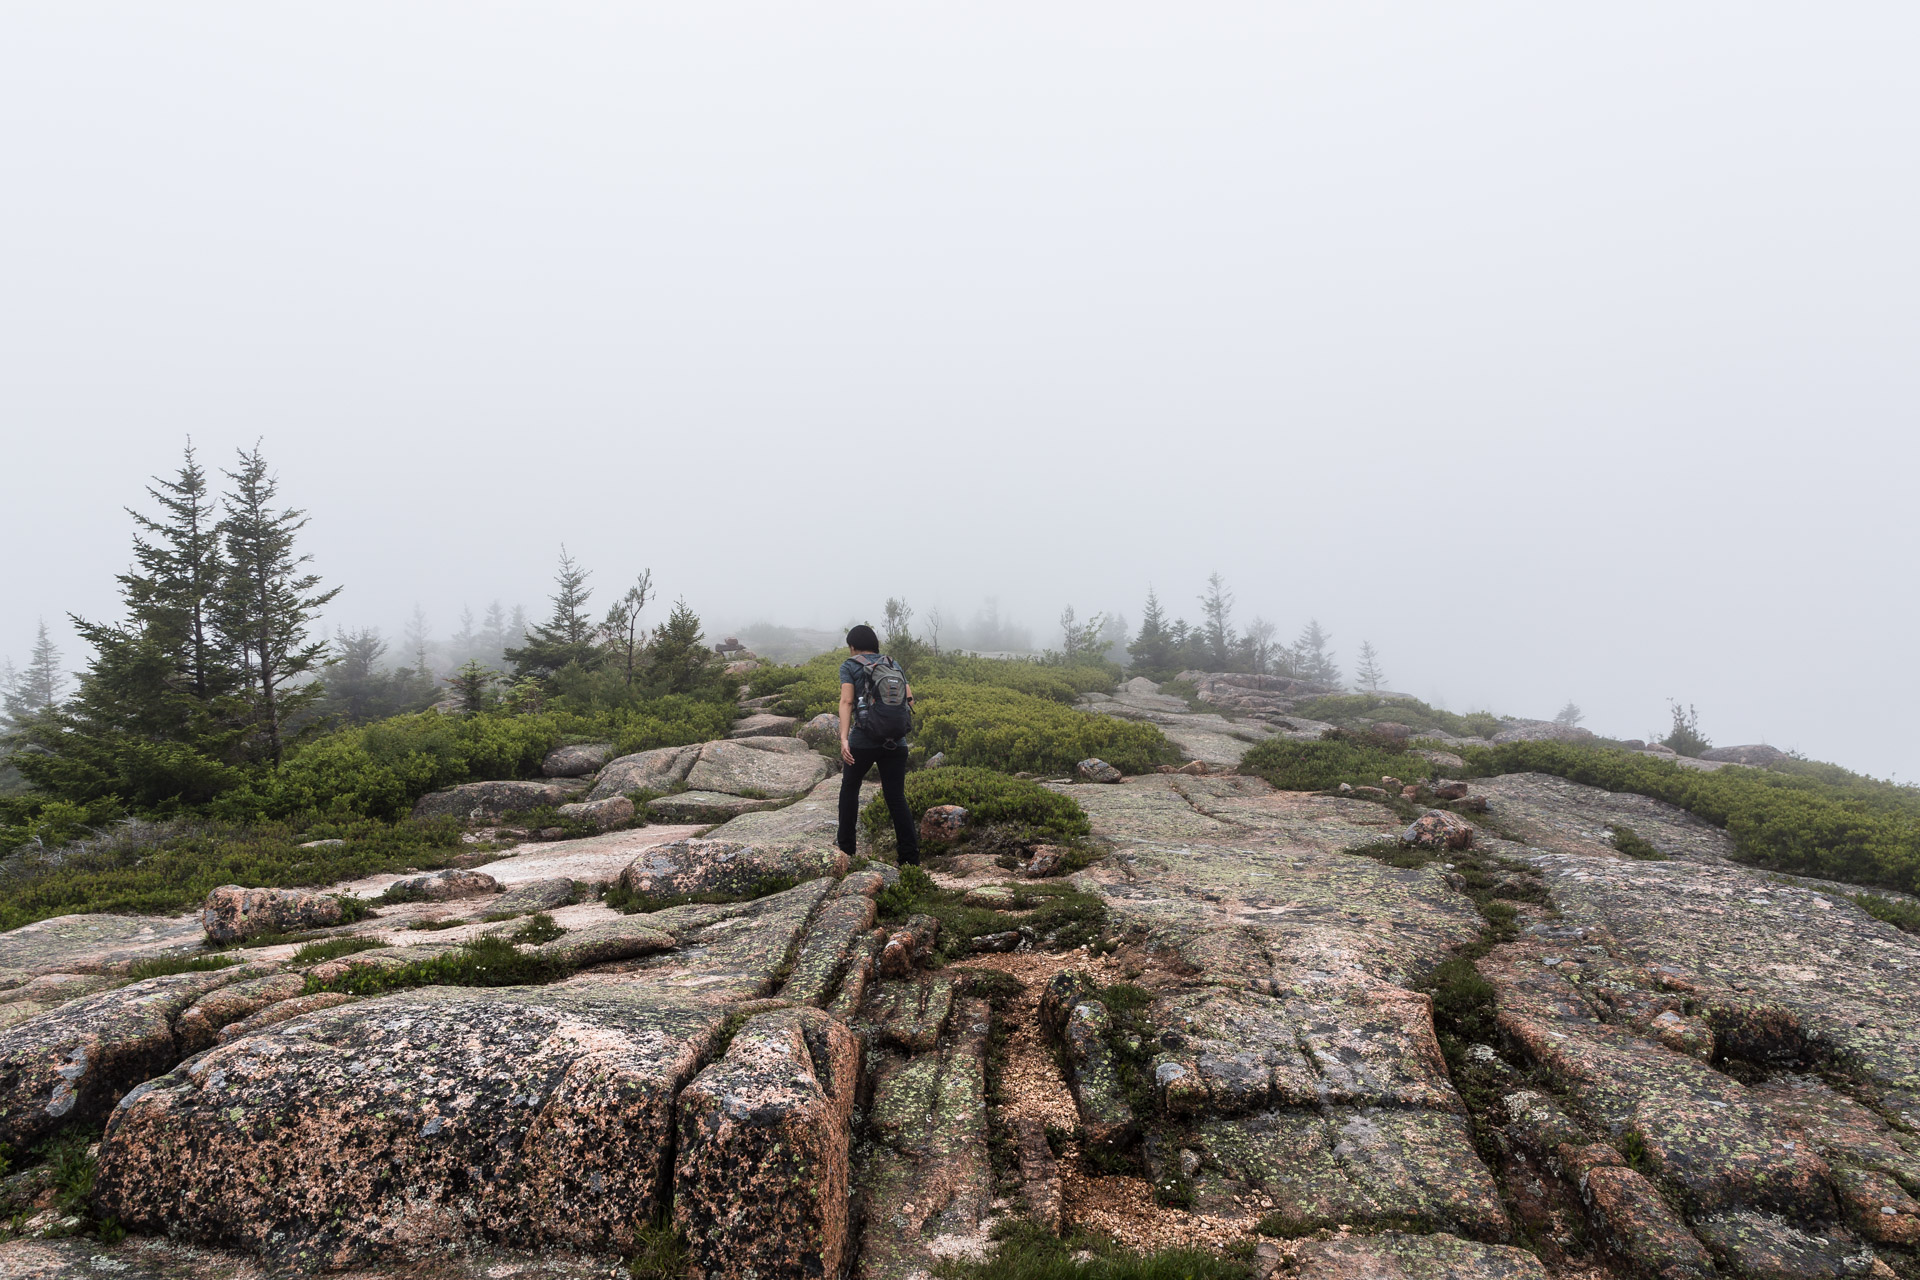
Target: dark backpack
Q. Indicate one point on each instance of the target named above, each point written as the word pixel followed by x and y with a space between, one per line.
pixel 880 699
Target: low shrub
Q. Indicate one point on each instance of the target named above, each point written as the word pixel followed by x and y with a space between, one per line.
pixel 1633 844
pixel 484 962
pixel 146 868
pixel 163 966
pixel 1357 710
pixel 536 929
pixel 1809 819
pixel 990 798
pixel 1898 912
pixel 1292 765
pixel 333 949
pixel 1014 732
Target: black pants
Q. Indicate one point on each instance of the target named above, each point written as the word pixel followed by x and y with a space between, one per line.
pixel 893 785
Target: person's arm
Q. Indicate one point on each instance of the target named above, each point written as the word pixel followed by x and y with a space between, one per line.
pixel 846 721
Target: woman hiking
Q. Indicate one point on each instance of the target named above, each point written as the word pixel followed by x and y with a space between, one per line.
pixel 876 708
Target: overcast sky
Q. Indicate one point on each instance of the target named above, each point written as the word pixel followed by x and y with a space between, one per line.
pixel 1562 351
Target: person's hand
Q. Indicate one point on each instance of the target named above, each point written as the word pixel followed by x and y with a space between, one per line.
pixel 846 752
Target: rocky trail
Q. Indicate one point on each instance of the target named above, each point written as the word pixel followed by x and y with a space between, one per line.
pixel 1531 1057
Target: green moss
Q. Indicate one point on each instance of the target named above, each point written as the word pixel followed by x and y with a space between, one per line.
pixel 1059 916
pixel 1027 1251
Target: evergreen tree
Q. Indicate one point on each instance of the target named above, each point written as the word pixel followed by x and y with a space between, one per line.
pixel 677 654
pixel 1259 654
pixel 361 689
pixel 464 639
pixel 620 632
pixel 175 594
pixel 1368 672
pixel 1312 656
pixel 1685 737
pixel 157 718
pixel 269 603
pixel 1571 714
pixel 567 637
pixel 38 689
pixel 473 687
pixel 1152 649
pixel 1217 608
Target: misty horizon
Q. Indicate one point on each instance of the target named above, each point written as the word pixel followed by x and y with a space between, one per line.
pixel 1559 356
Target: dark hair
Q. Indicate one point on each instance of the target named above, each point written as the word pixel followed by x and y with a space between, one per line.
pixel 862 637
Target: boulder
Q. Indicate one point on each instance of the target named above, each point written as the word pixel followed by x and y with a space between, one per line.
pixel 1756 755
pixel 658 770
pixel 1095 769
pixel 576 761
pixel 763 724
pixel 909 945
pixel 757 767
pixel 232 913
pixel 944 822
pixel 1453 789
pixel 1392 729
pixel 1078 1022
pixel 530 896
pixel 1438 829
pixel 491 801
pixel 601 815
pixel 726 867
pixel 1542 731
pixel 704 806
pixel 1048 860
pixel 936 760
pixel 822 730
pixel 442 886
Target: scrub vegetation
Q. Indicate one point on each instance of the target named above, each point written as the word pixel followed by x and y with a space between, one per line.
pixel 1800 817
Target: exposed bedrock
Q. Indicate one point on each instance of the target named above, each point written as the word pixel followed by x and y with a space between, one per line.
pixel 1290 1057
pixel 71 1064
pixel 448 1116
pixel 760 1183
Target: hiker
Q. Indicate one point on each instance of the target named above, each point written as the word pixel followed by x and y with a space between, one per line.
pixel 876 709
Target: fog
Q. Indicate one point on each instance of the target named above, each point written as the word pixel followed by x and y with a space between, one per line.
pixel 1560 354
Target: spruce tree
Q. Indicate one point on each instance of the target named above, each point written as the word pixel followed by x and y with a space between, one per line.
pixel 175 593
pixel 677 654
pixel 157 719
pixel 1570 715
pixel 1152 649
pixel 269 604
pixel 1217 607
pixel 37 689
pixel 1368 672
pixel 1312 656
pixel 567 637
